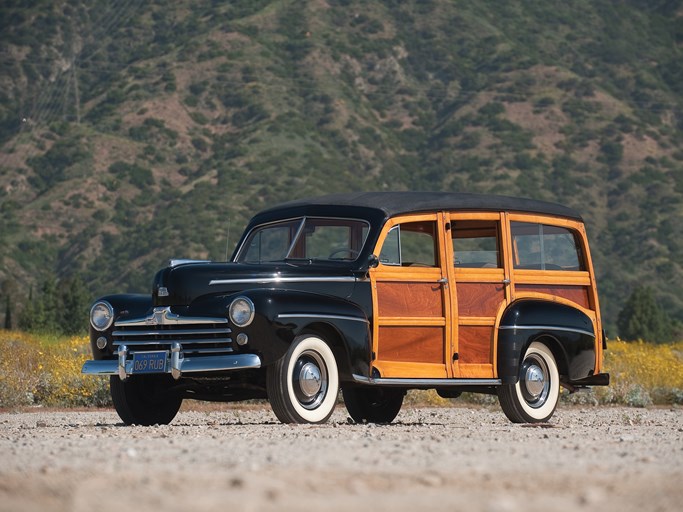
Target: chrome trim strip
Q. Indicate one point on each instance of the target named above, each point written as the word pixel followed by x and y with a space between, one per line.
pixel 334 317
pixel 545 327
pixel 278 279
pixel 185 365
pixel 181 261
pixel 426 382
pixel 188 342
pixel 174 332
pixel 199 350
pixel 185 349
pixel 164 316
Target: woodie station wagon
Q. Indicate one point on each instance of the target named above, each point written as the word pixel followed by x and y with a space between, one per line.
pixel 373 293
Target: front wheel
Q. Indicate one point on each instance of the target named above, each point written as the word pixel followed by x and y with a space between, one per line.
pixel 373 405
pixel 304 384
pixel 534 397
pixel 145 399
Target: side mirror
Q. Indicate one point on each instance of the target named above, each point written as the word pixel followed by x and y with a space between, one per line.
pixel 373 261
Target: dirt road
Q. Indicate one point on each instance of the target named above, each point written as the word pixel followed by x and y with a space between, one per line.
pixel 471 459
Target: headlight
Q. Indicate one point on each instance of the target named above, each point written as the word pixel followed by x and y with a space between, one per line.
pixel 101 316
pixel 241 311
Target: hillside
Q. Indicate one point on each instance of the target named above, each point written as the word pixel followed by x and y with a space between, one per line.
pixel 136 131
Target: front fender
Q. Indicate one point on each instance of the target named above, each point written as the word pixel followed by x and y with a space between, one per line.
pixel 567 331
pixel 282 315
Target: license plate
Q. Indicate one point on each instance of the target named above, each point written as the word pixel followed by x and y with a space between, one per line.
pixel 150 362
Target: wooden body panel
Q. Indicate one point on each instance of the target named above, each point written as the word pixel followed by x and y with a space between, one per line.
pixel 479 299
pixel 410 298
pixel 475 344
pixel 479 294
pixel 576 294
pixel 411 332
pixel 421 344
pixel 443 322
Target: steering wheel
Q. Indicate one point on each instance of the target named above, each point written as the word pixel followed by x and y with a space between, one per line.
pixel 351 252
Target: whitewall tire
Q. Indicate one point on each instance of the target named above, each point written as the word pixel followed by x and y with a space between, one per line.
pixel 303 386
pixel 534 397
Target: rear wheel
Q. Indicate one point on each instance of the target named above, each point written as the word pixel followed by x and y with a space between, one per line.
pixel 534 397
pixel 304 384
pixel 373 405
pixel 145 399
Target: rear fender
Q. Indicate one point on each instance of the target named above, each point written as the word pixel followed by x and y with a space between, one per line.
pixel 567 331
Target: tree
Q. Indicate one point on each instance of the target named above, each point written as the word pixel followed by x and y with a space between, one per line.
pixel 642 318
pixel 61 307
pixel 74 300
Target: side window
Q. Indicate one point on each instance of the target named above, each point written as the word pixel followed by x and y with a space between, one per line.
pixel 391 250
pixel 544 247
pixel 476 244
pixel 329 241
pixel 411 244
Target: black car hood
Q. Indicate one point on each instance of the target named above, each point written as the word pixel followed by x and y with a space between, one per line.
pixel 183 284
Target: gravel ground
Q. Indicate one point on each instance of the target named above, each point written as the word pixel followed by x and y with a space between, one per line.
pixel 241 459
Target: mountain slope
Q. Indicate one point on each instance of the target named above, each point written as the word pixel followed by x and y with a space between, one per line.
pixel 136 131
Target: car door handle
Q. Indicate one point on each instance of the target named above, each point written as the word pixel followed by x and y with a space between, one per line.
pixel 506 281
pixel 443 281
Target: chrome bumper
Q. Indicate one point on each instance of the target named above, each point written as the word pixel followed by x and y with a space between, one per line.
pixel 178 365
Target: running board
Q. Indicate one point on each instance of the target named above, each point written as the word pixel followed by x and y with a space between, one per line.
pixel 425 383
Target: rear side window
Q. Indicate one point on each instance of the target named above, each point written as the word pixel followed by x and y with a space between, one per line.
pixel 544 247
pixel 475 244
pixel 411 244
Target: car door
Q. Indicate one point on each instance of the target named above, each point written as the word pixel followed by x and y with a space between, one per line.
pixel 411 335
pixel 480 290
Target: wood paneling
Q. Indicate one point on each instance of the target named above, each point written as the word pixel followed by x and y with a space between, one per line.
pixel 552 277
pixel 409 299
pixel 395 369
pixel 476 371
pixel 577 294
pixel 475 344
pixel 479 299
pixel 411 344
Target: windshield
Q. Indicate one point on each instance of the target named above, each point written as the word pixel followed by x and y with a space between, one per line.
pixel 307 238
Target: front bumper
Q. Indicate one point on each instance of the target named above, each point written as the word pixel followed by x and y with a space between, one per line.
pixel 178 365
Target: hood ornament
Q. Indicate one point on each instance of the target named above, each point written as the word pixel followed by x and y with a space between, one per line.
pixel 162 316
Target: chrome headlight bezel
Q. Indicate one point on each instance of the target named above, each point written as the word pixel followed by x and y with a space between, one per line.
pixel 101 315
pixel 241 311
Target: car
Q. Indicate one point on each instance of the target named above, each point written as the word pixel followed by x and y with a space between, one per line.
pixel 370 293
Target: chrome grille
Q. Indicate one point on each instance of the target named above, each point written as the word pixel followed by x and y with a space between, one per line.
pixel 158 331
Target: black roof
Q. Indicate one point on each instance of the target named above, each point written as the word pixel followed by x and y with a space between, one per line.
pixel 395 203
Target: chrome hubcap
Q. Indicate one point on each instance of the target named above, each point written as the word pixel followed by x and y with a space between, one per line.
pixel 534 382
pixel 309 379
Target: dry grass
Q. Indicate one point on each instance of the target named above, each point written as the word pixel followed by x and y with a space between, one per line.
pixel 46 371
pixel 643 373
